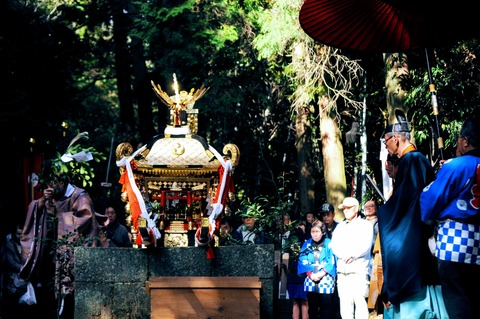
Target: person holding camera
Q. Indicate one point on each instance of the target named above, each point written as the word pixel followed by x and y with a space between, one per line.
pixel 113 233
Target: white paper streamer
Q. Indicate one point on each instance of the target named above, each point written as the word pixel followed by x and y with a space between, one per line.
pixel 126 162
pixel 218 207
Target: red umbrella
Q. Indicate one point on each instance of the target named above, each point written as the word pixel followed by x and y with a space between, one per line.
pixel 388 25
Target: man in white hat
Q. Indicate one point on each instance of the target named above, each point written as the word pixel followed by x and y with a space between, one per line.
pixel 352 243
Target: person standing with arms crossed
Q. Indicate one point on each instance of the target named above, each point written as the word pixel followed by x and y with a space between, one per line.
pixel 453 201
pixel 352 244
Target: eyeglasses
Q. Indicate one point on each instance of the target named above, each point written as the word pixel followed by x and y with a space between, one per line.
pixel 388 139
pixel 369 206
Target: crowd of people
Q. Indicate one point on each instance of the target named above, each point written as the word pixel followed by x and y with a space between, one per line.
pixel 331 275
pixel 377 262
pixel 374 262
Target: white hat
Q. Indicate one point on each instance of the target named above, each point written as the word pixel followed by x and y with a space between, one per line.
pixel 349 202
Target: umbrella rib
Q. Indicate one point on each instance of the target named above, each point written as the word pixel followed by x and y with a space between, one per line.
pixel 374 25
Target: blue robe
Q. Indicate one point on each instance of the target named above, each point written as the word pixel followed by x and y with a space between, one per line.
pixel 407 262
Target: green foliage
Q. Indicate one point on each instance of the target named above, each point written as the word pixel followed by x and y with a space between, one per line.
pixel 240 49
pixel 226 34
pixel 255 208
pixel 455 76
pixel 268 213
pixel 78 170
pixel 292 244
pixel 279 29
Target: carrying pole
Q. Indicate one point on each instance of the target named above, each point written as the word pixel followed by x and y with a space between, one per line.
pixel 435 107
pixel 107 185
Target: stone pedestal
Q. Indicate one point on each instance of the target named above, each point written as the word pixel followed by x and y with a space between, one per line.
pixel 112 282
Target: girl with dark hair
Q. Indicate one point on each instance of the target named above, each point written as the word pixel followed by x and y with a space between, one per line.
pixel 318 263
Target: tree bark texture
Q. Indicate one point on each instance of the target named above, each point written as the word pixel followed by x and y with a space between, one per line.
pixel 333 160
pixel 304 155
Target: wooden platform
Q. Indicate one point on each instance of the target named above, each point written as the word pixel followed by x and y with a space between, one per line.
pixel 204 297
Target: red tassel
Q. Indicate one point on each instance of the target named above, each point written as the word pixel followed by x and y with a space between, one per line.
pixel 210 253
pixel 139 240
pixel 151 236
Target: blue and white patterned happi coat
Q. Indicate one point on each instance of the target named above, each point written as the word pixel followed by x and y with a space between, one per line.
pixel 326 261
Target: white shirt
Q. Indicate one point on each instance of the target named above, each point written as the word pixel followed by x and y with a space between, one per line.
pixel 353 239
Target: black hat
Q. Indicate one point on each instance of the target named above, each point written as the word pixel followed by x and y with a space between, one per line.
pixel 401 126
pixel 326 208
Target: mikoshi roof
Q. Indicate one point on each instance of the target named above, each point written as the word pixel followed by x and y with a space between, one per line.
pixel 178 153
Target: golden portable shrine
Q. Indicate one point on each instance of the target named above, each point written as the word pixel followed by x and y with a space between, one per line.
pixel 177 186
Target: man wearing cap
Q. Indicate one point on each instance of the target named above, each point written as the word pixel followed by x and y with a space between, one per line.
pixel 352 243
pixel 407 267
pixel 327 213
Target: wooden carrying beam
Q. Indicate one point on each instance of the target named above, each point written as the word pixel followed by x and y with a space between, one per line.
pixel 204 297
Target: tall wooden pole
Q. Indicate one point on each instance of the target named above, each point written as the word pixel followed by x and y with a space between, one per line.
pixel 435 107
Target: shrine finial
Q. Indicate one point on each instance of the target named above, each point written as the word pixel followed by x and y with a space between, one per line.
pixel 182 100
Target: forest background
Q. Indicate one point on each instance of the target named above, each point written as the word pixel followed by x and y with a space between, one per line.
pixel 290 104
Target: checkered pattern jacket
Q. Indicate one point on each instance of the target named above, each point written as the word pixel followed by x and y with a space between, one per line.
pixel 458 242
pixel 314 258
pixel 453 200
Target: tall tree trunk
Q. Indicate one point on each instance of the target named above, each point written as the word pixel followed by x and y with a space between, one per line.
pixel 333 160
pixel 141 85
pixel 121 26
pixel 143 91
pixel 396 65
pixel 304 155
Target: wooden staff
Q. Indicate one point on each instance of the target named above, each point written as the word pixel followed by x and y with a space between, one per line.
pixel 435 107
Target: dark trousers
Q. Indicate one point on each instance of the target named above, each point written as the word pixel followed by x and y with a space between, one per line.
pixel 320 306
pixel 46 302
pixel 460 288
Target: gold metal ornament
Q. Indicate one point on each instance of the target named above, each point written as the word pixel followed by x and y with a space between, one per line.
pixel 182 100
pixel 178 149
pixel 123 150
pixel 233 152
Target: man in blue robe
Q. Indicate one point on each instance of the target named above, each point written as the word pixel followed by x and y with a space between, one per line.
pixel 408 265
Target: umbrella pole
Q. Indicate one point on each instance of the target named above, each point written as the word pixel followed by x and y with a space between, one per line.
pixel 434 106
